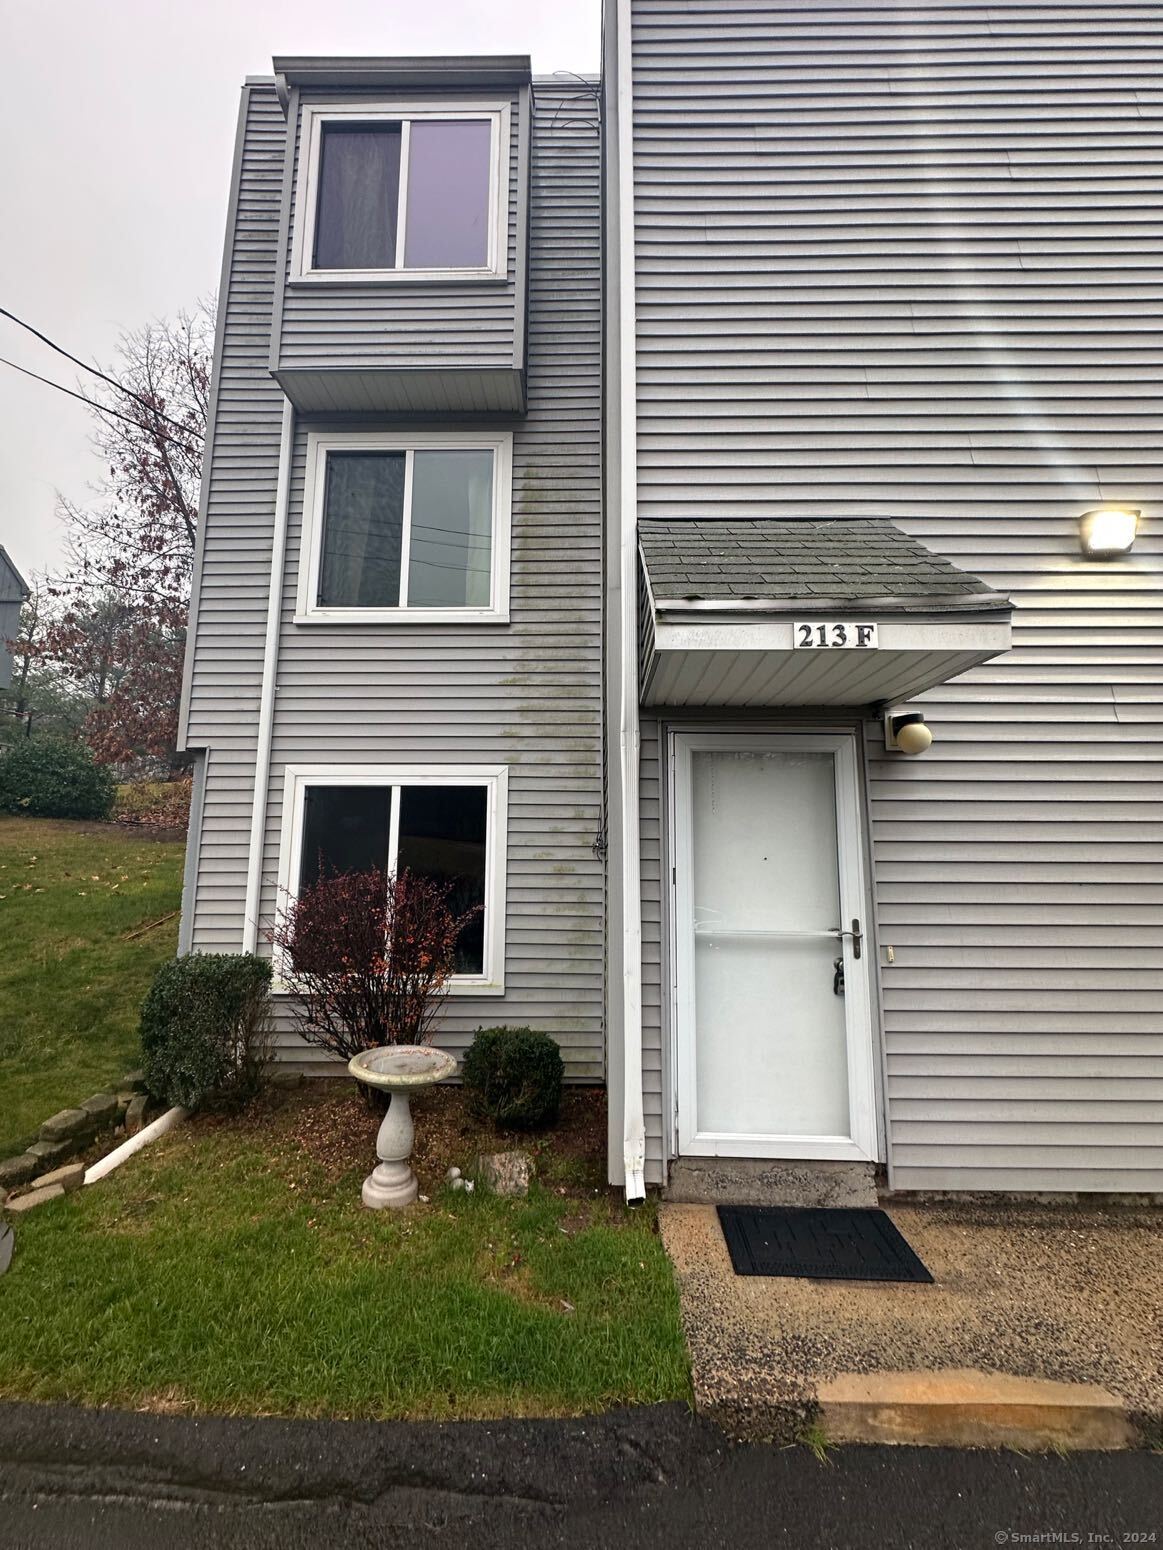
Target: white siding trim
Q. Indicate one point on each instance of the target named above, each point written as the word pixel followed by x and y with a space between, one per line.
pixel 494 778
pixel 319 444
pixel 266 711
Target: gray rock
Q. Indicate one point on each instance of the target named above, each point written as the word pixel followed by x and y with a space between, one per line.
pixel 102 1109
pixel 132 1082
pixel 15 1171
pixel 506 1173
pixel 287 1079
pixel 70 1177
pixel 6 1245
pixel 135 1114
pixel 48 1152
pixel 69 1122
pixel 34 1198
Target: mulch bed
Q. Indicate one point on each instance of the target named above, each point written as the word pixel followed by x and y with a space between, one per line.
pixel 328 1122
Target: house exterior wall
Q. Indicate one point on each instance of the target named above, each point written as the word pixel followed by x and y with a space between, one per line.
pixel 526 695
pixel 905 264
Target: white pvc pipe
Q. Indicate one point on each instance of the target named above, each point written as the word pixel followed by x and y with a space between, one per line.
pixel 633 1120
pixel 157 1128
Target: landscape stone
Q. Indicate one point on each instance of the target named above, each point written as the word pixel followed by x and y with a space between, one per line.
pixel 34 1198
pixel 70 1177
pixel 102 1109
pixel 47 1152
pixel 69 1122
pixel 287 1079
pixel 506 1173
pixel 135 1114
pixel 15 1171
pixel 6 1245
pixel 132 1082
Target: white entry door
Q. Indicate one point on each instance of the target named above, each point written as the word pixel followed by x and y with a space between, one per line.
pixel 774 1050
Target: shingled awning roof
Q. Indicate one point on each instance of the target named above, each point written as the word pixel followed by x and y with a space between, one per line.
pixel 721 597
pixel 864 560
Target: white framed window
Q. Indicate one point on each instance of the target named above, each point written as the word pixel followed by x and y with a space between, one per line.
pixel 448 822
pixel 406 527
pixel 402 191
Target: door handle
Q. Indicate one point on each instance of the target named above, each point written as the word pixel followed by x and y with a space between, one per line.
pixel 857 938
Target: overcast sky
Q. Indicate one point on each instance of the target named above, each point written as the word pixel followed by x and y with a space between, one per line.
pixel 117 124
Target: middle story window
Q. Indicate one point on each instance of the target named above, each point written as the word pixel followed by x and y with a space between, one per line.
pixel 403 192
pixel 406 527
pixel 446 823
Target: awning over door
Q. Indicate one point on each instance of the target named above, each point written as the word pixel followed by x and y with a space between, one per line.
pixel 796 611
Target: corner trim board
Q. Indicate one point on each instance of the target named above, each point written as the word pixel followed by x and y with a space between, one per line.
pixel 266 711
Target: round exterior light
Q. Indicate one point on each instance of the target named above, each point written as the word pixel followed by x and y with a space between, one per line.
pixel 914 737
pixel 1108 532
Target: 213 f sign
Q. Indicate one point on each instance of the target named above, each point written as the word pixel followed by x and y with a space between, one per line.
pixel 834 635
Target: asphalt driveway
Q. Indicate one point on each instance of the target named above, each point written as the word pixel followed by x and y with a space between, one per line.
pixel 648 1478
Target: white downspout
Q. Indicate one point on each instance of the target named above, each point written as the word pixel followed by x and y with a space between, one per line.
pixel 266 709
pixel 634 1124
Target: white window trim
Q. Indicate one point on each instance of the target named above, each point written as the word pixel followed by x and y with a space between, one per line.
pixel 494 778
pixel 319 444
pixel 316 116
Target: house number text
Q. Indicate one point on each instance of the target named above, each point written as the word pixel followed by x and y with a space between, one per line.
pixel 854 637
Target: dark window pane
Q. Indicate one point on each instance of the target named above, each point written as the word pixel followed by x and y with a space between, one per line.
pixel 359 188
pixel 363 518
pixel 449 555
pixel 345 829
pixel 442 835
pixel 447 224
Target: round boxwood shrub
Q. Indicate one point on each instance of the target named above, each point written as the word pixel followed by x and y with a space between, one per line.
pixel 205 1028
pixel 513 1077
pixel 49 778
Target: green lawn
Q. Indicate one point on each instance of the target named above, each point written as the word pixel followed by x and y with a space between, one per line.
pixel 70 982
pixel 232 1268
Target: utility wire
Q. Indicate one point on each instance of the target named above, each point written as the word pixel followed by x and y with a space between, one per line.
pixel 153 430
pixel 97 372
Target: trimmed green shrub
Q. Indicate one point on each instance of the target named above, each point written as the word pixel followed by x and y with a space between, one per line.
pixel 48 778
pixel 205 1028
pixel 513 1077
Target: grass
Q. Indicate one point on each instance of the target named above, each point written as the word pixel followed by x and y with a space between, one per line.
pixel 231 1268
pixel 70 981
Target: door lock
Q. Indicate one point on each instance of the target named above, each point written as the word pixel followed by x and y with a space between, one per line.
pixel 838 977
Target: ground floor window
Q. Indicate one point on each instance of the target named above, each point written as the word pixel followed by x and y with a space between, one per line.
pixel 444 823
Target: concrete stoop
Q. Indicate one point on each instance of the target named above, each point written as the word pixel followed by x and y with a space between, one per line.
pixel 1040 1331
pixel 744 1181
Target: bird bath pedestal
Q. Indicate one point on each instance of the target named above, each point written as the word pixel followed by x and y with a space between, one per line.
pixel 399 1069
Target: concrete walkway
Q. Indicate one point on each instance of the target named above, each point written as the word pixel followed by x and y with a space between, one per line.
pixel 1043 1328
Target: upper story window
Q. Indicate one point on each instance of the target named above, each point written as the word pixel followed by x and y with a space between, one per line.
pixel 402 193
pixel 406 526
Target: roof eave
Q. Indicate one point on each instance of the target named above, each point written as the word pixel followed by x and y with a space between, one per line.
pixel 447 71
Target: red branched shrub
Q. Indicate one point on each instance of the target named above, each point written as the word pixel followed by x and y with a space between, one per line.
pixel 368 958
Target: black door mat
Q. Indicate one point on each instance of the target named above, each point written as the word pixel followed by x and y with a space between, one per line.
pixel 829 1245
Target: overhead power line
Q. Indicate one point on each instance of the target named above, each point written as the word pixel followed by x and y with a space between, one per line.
pixel 93 404
pixel 97 372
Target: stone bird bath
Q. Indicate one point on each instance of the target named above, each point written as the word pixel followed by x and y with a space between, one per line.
pixel 400 1070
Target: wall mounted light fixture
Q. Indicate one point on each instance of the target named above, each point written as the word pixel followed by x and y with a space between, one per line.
pixel 905 732
pixel 1108 532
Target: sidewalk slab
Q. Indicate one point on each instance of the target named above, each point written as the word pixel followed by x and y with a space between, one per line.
pixel 1043 1328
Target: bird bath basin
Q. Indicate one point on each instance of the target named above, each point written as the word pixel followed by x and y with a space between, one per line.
pixel 398 1069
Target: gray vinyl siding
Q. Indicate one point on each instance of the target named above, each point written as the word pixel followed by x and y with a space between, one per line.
pixel 224 670
pixel 470 334
pixel 905 263
pixel 526 695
